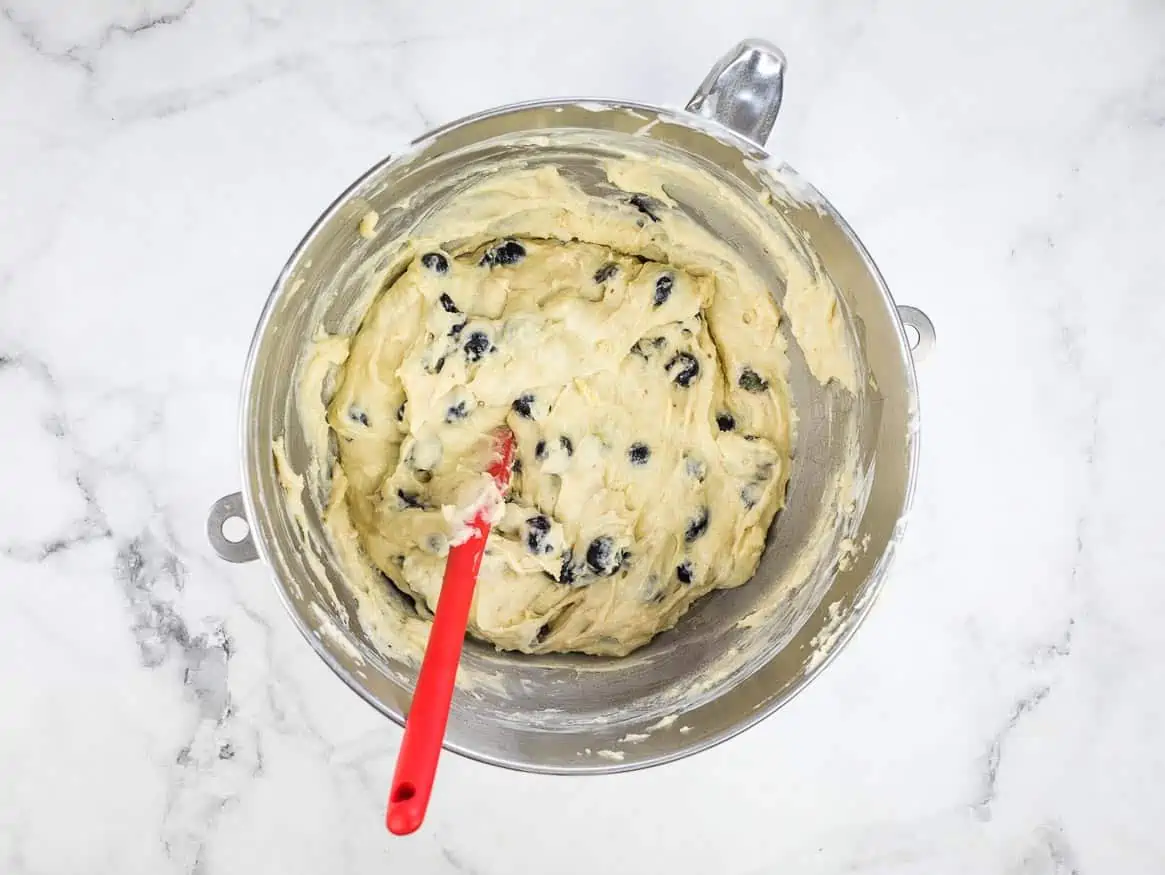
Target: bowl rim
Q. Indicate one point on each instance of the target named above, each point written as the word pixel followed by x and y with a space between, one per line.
pixel 866 593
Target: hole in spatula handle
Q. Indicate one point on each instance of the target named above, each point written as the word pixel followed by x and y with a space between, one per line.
pixel 404 792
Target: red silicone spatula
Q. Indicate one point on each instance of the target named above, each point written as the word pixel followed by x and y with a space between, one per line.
pixel 416 762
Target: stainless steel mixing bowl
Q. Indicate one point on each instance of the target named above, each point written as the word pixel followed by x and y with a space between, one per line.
pixel 738 655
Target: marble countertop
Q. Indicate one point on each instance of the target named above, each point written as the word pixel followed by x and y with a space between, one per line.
pixel 1001 711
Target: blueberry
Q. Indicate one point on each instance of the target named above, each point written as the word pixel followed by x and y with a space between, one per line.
pixel 409 499
pixel 644 346
pixel 505 253
pixel 357 415
pixel 684 571
pixel 447 304
pixel 725 421
pixel 400 411
pixel 566 573
pixel 683 368
pixel 455 329
pixel 639 454
pixel 476 346
pixel 423 456
pixel 605 272
pixel 697 525
pixel 457 412
pixel 751 381
pixel 435 262
pixel 749 495
pixel 646 205
pixel 566 445
pixel 538 527
pixel 695 469
pixel 663 287
pixel 603 557
pixel 521 406
pixel 540 451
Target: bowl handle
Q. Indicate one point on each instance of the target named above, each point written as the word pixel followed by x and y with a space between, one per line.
pixel 921 346
pixel 743 91
pixel 227 508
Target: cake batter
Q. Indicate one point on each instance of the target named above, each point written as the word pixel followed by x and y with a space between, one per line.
pixel 642 373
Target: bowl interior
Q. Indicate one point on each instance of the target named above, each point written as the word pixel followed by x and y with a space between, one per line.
pixel 738 653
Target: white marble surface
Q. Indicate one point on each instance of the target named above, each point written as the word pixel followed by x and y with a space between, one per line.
pixel 1002 711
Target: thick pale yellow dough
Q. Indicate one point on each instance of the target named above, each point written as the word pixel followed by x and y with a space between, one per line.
pixel 642 371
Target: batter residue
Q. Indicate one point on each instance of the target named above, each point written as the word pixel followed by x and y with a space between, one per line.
pixel 642 372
